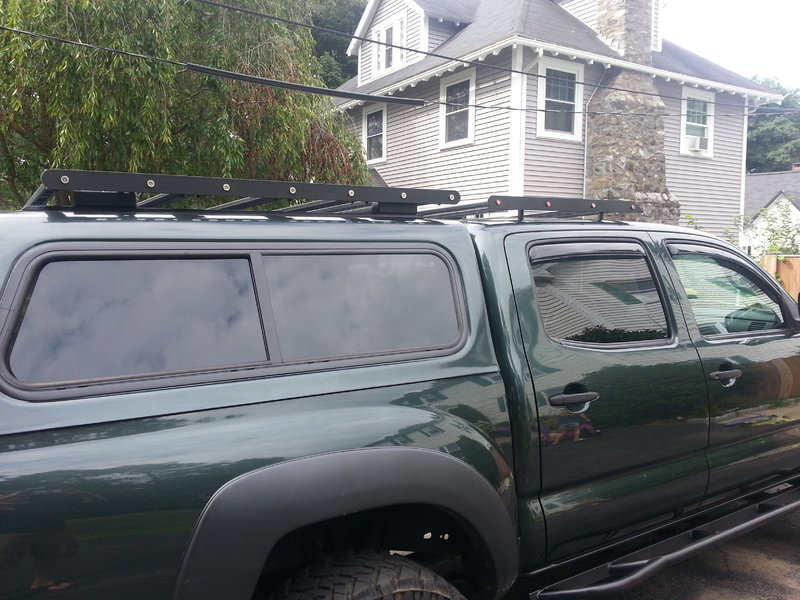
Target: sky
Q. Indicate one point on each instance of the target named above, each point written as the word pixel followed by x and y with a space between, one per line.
pixel 745 36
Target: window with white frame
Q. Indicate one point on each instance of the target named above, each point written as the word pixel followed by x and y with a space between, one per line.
pixel 457 113
pixel 697 122
pixel 560 99
pixel 374 133
pixel 389 54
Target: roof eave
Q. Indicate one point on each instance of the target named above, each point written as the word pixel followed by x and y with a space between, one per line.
pixel 758 96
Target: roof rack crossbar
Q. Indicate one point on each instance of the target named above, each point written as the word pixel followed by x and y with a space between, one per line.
pixel 247 192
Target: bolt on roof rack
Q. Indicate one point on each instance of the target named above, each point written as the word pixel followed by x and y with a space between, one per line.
pixel 131 192
pixel 544 207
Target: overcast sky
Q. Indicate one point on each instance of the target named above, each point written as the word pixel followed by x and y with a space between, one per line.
pixel 748 37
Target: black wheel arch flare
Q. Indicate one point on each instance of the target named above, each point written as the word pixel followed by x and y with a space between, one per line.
pixel 247 516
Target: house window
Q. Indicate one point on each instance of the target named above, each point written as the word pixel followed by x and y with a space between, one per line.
pixel 457 96
pixel 559 103
pixel 697 123
pixel 389 53
pixel 374 132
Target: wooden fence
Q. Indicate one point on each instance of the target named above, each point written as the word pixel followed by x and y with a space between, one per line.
pixel 785 269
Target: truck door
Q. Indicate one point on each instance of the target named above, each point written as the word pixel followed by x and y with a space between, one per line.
pixel 620 393
pixel 740 320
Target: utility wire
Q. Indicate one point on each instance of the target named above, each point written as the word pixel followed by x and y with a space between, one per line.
pixel 433 54
pixel 299 87
pixel 416 102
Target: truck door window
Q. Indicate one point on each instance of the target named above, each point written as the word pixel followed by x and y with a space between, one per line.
pixel 725 297
pixel 597 293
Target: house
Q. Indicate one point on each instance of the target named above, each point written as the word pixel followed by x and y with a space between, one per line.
pixel 560 98
pixel 772 202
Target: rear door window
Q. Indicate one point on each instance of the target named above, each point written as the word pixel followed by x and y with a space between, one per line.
pixel 597 293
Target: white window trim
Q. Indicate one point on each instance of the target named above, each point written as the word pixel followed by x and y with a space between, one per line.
pixel 468 75
pixel 400 57
pixel 541 99
pixel 368 111
pixel 705 96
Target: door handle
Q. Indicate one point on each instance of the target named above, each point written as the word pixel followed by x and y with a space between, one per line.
pixel 726 378
pixel 568 399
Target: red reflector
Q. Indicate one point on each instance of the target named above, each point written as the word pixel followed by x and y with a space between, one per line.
pixel 594 205
pixel 498 202
pixel 548 204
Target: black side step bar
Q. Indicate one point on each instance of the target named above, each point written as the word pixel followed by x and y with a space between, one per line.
pixel 623 573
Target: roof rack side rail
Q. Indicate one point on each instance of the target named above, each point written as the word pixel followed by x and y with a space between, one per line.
pixel 121 191
pixel 539 206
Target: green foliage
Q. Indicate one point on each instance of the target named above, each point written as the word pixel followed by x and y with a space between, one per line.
pixel 70 107
pixel 773 141
pixel 775 230
pixel 693 222
pixel 331 49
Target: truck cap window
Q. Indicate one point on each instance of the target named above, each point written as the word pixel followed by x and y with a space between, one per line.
pixel 340 305
pixel 601 299
pixel 89 319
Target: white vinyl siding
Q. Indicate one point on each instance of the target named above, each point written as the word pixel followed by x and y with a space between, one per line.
pixel 554 167
pixel 476 170
pixel 708 189
pixel 585 10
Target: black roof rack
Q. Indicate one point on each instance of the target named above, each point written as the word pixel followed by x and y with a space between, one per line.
pixel 543 207
pixel 132 192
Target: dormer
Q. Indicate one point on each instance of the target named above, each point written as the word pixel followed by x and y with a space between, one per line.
pixel 410 25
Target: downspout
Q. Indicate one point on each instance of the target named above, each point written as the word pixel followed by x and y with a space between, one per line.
pixel 517 124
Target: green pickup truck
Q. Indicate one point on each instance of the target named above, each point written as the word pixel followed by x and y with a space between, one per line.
pixel 362 397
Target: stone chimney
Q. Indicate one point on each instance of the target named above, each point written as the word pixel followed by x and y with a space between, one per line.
pixel 625 130
pixel 629 27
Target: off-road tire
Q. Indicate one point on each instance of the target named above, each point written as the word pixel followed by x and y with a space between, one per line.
pixel 367 576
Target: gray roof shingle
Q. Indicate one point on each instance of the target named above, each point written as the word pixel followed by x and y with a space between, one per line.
pixel 545 21
pixel 760 189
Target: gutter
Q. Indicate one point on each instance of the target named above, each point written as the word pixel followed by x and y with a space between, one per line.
pixel 759 97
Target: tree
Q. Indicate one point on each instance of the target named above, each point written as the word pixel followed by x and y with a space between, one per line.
pixel 773 140
pixel 71 107
pixel 331 49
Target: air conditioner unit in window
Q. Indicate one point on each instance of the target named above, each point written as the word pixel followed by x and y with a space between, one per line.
pixel 697 144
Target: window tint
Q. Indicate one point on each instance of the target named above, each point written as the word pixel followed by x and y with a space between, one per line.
pixel 360 304
pixel 598 299
pixel 724 297
pixel 88 319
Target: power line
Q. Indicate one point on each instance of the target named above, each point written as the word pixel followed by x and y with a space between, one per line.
pixel 415 102
pixel 432 54
pixel 298 87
